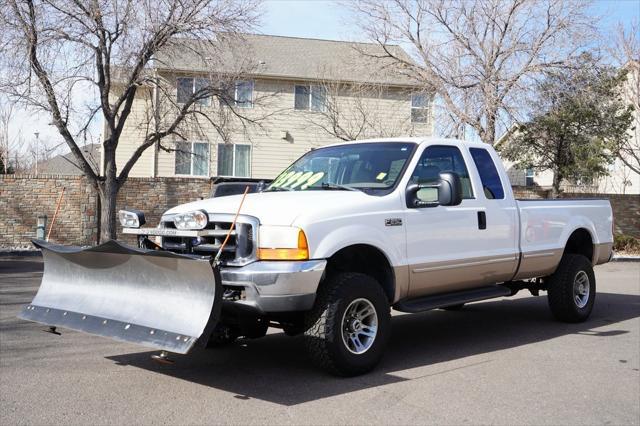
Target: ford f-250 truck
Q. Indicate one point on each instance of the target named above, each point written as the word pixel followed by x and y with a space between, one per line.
pixel 343 235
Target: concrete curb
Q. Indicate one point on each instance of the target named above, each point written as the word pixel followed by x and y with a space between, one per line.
pixel 625 259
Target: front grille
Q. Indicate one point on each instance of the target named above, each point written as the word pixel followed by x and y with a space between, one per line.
pixel 239 250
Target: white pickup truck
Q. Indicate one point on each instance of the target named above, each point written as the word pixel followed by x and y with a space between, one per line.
pixel 351 230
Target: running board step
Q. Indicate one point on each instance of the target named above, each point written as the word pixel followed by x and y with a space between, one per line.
pixel 427 303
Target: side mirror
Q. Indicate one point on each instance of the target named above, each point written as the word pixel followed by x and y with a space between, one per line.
pixel 447 191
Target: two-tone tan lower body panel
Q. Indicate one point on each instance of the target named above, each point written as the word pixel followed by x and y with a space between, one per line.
pixel 401 274
pixel 602 253
pixel 441 277
pixel 544 262
pixel 538 263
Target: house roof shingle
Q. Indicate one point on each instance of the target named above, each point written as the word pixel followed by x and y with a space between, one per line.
pixel 65 164
pixel 288 57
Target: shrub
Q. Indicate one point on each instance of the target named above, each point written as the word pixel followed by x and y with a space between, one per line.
pixel 623 242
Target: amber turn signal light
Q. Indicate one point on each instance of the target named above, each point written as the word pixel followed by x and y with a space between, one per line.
pixel 299 253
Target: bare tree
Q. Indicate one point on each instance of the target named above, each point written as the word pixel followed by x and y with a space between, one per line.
pixel 356 110
pixel 478 56
pixel 626 52
pixel 9 143
pixel 82 60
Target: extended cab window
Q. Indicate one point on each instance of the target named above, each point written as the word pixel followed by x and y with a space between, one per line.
pixel 435 160
pixel 491 183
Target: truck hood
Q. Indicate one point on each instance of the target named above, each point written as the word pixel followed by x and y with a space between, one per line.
pixel 278 208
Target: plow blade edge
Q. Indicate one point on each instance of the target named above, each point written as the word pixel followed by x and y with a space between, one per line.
pixel 157 299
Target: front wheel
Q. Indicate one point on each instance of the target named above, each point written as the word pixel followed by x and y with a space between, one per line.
pixel 572 289
pixel 348 328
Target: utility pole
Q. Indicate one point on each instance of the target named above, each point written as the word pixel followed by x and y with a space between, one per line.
pixel 37 143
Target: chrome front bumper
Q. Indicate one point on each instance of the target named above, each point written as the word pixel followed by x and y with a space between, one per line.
pixel 276 286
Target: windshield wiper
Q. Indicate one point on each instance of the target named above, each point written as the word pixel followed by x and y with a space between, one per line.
pixel 326 185
pixel 280 188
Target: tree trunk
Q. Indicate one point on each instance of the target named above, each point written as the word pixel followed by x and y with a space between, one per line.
pixel 489 134
pixel 555 188
pixel 108 215
pixel 108 192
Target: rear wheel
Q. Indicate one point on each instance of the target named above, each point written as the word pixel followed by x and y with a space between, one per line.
pixel 348 328
pixel 572 289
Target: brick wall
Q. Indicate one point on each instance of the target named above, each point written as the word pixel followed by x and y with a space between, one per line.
pixel 626 210
pixel 24 197
pixel 154 196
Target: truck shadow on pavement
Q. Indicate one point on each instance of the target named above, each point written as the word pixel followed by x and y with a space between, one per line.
pixel 276 368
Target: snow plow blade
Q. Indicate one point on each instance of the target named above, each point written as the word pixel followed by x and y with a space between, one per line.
pixel 157 299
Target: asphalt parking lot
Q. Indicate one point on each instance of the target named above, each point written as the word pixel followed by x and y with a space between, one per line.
pixel 504 361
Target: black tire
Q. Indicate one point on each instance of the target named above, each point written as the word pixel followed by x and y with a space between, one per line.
pixel 454 307
pixel 560 287
pixel 324 334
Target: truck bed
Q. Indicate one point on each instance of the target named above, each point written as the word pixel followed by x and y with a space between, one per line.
pixel 547 224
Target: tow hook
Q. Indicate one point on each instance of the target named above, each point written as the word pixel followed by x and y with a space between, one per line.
pixel 162 358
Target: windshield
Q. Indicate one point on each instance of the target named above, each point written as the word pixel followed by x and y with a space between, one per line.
pixel 362 166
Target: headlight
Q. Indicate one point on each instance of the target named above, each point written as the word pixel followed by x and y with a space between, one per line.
pixel 282 243
pixel 192 220
pixel 131 218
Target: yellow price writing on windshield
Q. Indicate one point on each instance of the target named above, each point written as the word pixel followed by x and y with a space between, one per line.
pixel 301 180
pixel 294 179
pixel 312 179
pixel 281 179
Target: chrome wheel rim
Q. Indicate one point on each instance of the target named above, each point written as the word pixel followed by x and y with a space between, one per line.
pixel 359 326
pixel 581 289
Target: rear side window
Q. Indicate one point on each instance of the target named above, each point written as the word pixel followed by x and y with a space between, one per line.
pixel 491 183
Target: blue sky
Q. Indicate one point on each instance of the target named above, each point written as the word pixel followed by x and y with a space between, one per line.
pixel 326 19
pixel 614 11
pixel 308 18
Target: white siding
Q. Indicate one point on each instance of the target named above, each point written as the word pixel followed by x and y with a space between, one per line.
pixel 270 152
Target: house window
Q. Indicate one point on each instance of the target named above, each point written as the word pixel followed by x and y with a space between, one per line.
pixel 310 98
pixel 192 159
pixel 239 93
pixel 420 110
pixel 188 86
pixel 244 94
pixel 528 177
pixel 234 160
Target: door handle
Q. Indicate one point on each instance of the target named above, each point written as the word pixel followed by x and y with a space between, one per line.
pixel 482 220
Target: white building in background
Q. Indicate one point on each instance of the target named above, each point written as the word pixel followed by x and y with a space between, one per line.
pixel 295 72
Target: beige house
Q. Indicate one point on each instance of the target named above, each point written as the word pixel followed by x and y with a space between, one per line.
pixel 304 93
pixel 621 179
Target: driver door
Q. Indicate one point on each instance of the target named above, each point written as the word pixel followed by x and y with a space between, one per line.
pixel 445 245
